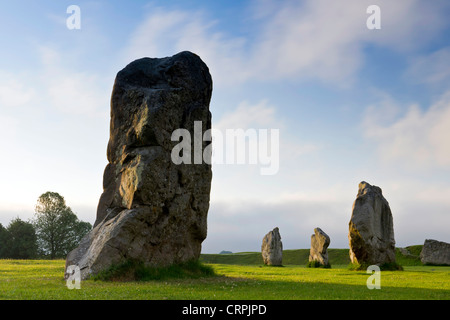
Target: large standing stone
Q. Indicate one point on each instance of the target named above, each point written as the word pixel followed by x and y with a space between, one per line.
pixel 152 209
pixel 371 228
pixel 435 252
pixel 319 244
pixel 272 248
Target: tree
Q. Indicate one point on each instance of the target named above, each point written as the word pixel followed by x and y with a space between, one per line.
pixel 21 240
pixel 58 229
pixel 4 236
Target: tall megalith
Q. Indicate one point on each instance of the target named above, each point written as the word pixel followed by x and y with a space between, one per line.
pixel 152 209
pixel 371 228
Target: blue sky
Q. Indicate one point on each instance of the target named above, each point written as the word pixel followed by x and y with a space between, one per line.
pixel 351 104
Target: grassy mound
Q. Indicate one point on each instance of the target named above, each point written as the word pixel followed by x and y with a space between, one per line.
pixel 132 270
pixel 408 256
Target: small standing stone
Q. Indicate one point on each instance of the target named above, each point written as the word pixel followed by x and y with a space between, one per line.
pixel 319 244
pixel 272 248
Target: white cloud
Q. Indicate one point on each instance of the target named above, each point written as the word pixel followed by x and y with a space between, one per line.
pixel 72 91
pixel 78 93
pixel 324 40
pixel 246 115
pixel 164 33
pixel 406 25
pixel 419 139
pixel 312 39
pixel 13 92
pixel 9 127
pixel 287 156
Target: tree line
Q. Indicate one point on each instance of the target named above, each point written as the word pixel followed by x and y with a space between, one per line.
pixel 52 233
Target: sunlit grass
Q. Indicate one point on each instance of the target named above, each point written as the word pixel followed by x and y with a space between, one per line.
pixel 43 279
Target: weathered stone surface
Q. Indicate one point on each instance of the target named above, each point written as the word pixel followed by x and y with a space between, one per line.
pixel 371 228
pixel 151 209
pixel 272 248
pixel 319 244
pixel 435 252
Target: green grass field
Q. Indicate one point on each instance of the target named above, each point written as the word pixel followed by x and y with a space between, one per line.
pixel 249 279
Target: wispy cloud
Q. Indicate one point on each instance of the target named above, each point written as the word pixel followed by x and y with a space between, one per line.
pixel 164 33
pixel 78 92
pixel 312 39
pixel 419 139
pixel 14 92
pixel 247 115
pixel 432 69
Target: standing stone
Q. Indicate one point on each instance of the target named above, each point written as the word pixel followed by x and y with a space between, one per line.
pixel 371 228
pixel 152 210
pixel 435 252
pixel 272 248
pixel 319 244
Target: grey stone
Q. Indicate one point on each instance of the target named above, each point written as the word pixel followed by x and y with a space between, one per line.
pixel 435 252
pixel 151 209
pixel 371 228
pixel 272 248
pixel 319 244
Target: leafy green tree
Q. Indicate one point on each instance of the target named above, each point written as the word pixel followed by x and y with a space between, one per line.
pixel 4 236
pixel 21 240
pixel 58 228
